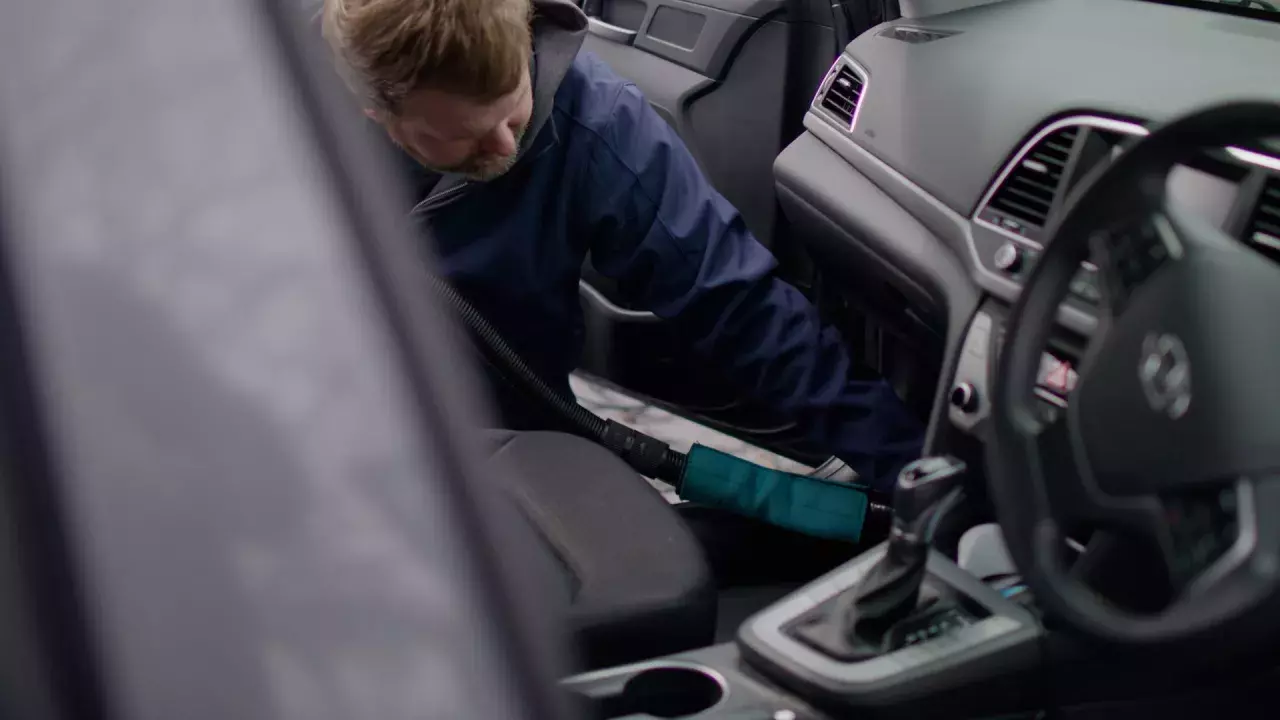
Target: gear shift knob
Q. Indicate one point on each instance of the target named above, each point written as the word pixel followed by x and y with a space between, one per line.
pixel 924 493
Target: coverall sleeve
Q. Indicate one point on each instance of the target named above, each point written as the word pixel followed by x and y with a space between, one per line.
pixel 681 250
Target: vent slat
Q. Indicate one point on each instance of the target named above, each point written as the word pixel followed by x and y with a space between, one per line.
pixel 1062 148
pixel 1263 231
pixel 843 95
pixel 1035 187
pixel 1022 211
pixel 1055 160
pixel 1028 192
pixel 1271 242
pixel 1027 182
pixel 915 36
pixel 1026 196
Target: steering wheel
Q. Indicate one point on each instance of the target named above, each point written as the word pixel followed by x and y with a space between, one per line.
pixel 1172 433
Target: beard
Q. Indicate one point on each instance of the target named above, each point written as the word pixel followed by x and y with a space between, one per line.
pixel 480 169
pixel 477 168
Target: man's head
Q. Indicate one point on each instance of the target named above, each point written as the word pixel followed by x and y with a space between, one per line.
pixel 448 79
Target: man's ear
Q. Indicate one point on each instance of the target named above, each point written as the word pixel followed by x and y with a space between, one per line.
pixel 371 114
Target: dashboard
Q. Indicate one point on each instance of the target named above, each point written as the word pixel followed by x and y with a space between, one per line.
pixel 937 150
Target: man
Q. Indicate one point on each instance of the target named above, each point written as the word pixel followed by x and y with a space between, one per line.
pixel 530 154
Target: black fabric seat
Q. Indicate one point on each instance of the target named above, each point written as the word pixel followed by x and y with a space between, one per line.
pixel 633 575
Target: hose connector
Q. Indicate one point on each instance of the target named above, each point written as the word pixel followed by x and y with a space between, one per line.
pixel 646 455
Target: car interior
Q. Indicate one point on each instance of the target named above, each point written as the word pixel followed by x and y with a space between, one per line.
pixel 244 473
pixel 735 78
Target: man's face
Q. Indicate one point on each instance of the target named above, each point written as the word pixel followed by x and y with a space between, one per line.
pixel 454 134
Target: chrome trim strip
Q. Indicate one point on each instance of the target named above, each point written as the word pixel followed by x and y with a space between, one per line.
pixel 1241 550
pixel 1254 158
pixel 1093 121
pixel 816 104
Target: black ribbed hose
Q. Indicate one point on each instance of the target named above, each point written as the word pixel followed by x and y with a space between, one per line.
pixel 647 455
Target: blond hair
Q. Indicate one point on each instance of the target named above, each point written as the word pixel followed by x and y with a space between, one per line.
pixel 386 49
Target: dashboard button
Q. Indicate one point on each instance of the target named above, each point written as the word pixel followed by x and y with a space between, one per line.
pixel 1085 286
pixel 1012 226
pixel 1008 258
pixel 964 397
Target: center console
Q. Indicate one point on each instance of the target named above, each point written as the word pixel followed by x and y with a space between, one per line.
pixel 900 630
pixel 979 654
pixel 983 645
pixel 970 394
pixel 713 682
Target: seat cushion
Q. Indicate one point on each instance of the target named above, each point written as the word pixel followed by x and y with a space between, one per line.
pixel 633 575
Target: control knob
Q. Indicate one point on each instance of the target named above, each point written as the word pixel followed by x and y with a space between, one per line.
pixel 1008 258
pixel 964 397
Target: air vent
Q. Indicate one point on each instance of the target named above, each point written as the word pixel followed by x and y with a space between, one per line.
pixel 843 95
pixel 915 36
pixel 1263 231
pixel 1027 193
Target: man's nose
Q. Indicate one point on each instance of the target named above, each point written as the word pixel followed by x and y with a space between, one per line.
pixel 501 142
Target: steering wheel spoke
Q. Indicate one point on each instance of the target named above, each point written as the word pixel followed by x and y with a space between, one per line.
pixel 1213 538
pixel 1059 470
pixel 1129 253
pixel 1234 563
pixel 1076 500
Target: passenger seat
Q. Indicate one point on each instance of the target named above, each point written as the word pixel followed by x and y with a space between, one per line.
pixel 633 576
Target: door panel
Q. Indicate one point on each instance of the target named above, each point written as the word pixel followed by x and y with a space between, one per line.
pixel 728 75
pixel 613 33
pixel 698 37
pixel 629 14
pixel 668 86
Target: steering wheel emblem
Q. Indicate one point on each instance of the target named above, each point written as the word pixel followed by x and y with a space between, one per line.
pixel 1165 374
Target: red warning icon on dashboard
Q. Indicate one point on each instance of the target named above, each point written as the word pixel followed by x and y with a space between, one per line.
pixel 1061 379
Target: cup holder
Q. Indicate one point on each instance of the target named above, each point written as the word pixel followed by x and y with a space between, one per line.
pixel 667 691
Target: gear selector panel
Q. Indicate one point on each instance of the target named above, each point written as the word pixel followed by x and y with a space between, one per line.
pixel 975 635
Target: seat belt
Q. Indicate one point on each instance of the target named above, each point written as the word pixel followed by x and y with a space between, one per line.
pixel 854 17
pixel 840 23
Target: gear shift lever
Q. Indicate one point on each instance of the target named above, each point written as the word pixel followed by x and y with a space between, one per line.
pixel 927 490
pixel 889 593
